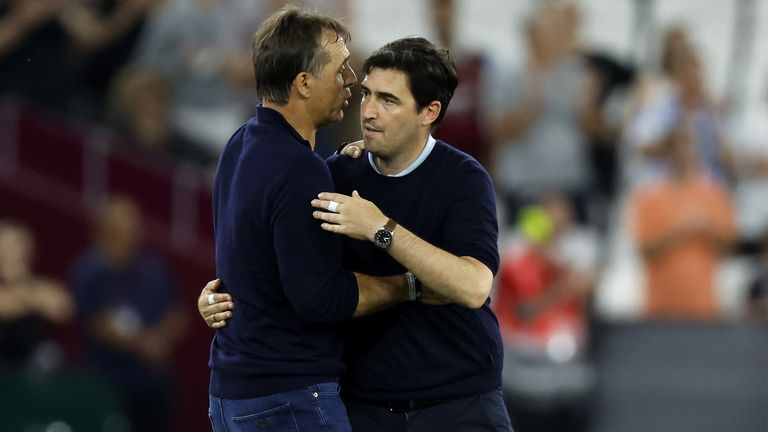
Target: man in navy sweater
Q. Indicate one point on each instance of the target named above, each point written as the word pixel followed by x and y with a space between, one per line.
pixel 416 366
pixel 276 365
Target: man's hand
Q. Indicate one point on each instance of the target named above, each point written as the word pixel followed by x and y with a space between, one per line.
pixel 352 216
pixel 353 149
pixel 216 309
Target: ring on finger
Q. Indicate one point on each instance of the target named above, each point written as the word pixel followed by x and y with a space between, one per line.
pixel 333 206
pixel 211 300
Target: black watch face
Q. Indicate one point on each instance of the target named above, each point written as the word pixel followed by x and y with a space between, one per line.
pixel 382 238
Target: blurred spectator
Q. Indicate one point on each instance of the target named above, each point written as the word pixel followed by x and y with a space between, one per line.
pixel 140 107
pixel 604 95
pixel 652 87
pixel 461 124
pixel 36 62
pixel 129 305
pixel 28 303
pixel 104 35
pixel 202 46
pixel 63 53
pixel 750 132
pixel 757 302
pixel 683 226
pixel 540 145
pixel 541 303
pixel 681 95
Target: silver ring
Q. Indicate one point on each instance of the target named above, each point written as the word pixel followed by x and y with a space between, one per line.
pixel 211 299
pixel 332 206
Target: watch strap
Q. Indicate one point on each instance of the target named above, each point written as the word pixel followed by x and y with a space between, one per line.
pixel 390 225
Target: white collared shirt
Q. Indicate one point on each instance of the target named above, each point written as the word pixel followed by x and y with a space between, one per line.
pixel 415 164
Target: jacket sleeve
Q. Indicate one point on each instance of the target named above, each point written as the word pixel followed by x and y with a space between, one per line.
pixel 309 258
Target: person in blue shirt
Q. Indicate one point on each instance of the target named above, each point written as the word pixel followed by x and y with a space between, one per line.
pixel 132 318
pixel 275 366
pixel 414 366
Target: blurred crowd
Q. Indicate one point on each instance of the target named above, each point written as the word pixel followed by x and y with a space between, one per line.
pixel 596 161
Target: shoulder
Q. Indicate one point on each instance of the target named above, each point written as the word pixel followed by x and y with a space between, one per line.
pixel 88 260
pixel 459 166
pixel 86 267
pixel 337 160
pixel 340 164
pixel 275 149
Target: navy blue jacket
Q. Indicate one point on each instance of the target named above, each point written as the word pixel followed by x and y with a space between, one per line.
pixel 283 270
pixel 416 351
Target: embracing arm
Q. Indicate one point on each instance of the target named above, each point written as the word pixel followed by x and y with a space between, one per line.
pixel 374 294
pixel 463 280
pixel 377 293
pixel 459 279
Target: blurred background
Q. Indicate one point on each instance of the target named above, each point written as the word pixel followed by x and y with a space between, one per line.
pixel 628 144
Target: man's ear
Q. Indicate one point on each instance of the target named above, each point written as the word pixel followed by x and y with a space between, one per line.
pixel 303 85
pixel 430 113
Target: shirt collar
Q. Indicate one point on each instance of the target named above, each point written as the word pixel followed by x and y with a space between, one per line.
pixel 415 164
pixel 268 115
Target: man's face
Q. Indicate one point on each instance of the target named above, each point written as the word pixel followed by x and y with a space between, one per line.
pixel 332 85
pixel 391 120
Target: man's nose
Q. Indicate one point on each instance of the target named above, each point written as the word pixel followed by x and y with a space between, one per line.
pixel 351 77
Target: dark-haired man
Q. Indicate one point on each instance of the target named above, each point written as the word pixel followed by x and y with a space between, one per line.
pixel 416 366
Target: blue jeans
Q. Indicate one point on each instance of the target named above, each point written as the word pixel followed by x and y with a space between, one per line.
pixel 314 408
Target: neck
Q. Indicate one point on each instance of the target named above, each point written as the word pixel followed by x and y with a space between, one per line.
pixel 399 162
pixel 298 117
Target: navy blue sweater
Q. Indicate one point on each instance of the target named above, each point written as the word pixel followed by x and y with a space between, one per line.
pixel 416 351
pixel 283 270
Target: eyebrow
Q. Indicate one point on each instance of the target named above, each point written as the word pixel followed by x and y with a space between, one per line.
pixel 381 94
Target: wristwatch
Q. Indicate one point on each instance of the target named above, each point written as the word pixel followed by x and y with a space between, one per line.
pixel 383 236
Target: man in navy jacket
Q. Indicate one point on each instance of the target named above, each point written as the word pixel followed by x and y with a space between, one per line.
pixel 417 366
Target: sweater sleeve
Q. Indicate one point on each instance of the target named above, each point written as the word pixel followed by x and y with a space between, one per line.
pixel 309 258
pixel 470 224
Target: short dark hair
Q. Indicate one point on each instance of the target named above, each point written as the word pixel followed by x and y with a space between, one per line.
pixel 286 44
pixel 430 71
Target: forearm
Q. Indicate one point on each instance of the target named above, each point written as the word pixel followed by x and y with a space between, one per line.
pixel 514 122
pixel 103 329
pixel 462 280
pixel 594 124
pixel 92 33
pixel 720 240
pixel 653 249
pixel 11 34
pixel 377 293
pixel 13 305
pixel 172 326
pixel 662 243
